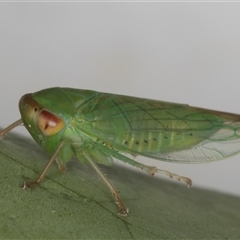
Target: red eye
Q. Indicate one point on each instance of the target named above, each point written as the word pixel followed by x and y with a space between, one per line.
pixel 48 123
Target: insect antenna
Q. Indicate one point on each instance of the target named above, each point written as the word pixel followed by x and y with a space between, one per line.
pixel 10 127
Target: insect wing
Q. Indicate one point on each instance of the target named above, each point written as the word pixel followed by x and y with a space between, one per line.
pixel 161 130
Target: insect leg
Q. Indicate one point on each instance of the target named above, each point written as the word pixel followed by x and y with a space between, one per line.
pixel 61 165
pixel 10 127
pixel 123 210
pixel 188 181
pixel 152 170
pixel 40 178
pixel 148 169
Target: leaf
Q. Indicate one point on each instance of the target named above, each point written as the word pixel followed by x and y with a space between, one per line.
pixel 77 204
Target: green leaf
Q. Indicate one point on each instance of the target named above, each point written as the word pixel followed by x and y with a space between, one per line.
pixel 77 204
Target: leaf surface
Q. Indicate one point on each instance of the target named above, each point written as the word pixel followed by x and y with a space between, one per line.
pixel 77 204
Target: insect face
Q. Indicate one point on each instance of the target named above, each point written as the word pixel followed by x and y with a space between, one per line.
pixel 34 116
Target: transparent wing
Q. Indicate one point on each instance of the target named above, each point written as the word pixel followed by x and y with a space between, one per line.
pixel 161 130
pixel 222 144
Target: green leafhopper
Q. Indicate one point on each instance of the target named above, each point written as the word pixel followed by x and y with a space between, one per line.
pixel 97 127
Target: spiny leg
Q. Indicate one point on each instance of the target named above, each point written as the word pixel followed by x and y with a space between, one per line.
pixel 123 210
pixel 40 178
pixel 10 127
pixel 152 170
pixel 148 169
pixel 188 181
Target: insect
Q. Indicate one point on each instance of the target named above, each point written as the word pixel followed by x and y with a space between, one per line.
pixel 97 127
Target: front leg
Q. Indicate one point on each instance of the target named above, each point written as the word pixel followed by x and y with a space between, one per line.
pixel 28 185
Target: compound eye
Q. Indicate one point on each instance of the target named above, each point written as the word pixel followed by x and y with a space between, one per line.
pixel 49 124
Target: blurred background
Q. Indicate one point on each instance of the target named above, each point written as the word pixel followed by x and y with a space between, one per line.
pixel 178 52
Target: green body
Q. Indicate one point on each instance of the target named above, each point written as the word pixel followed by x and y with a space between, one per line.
pixel 106 125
